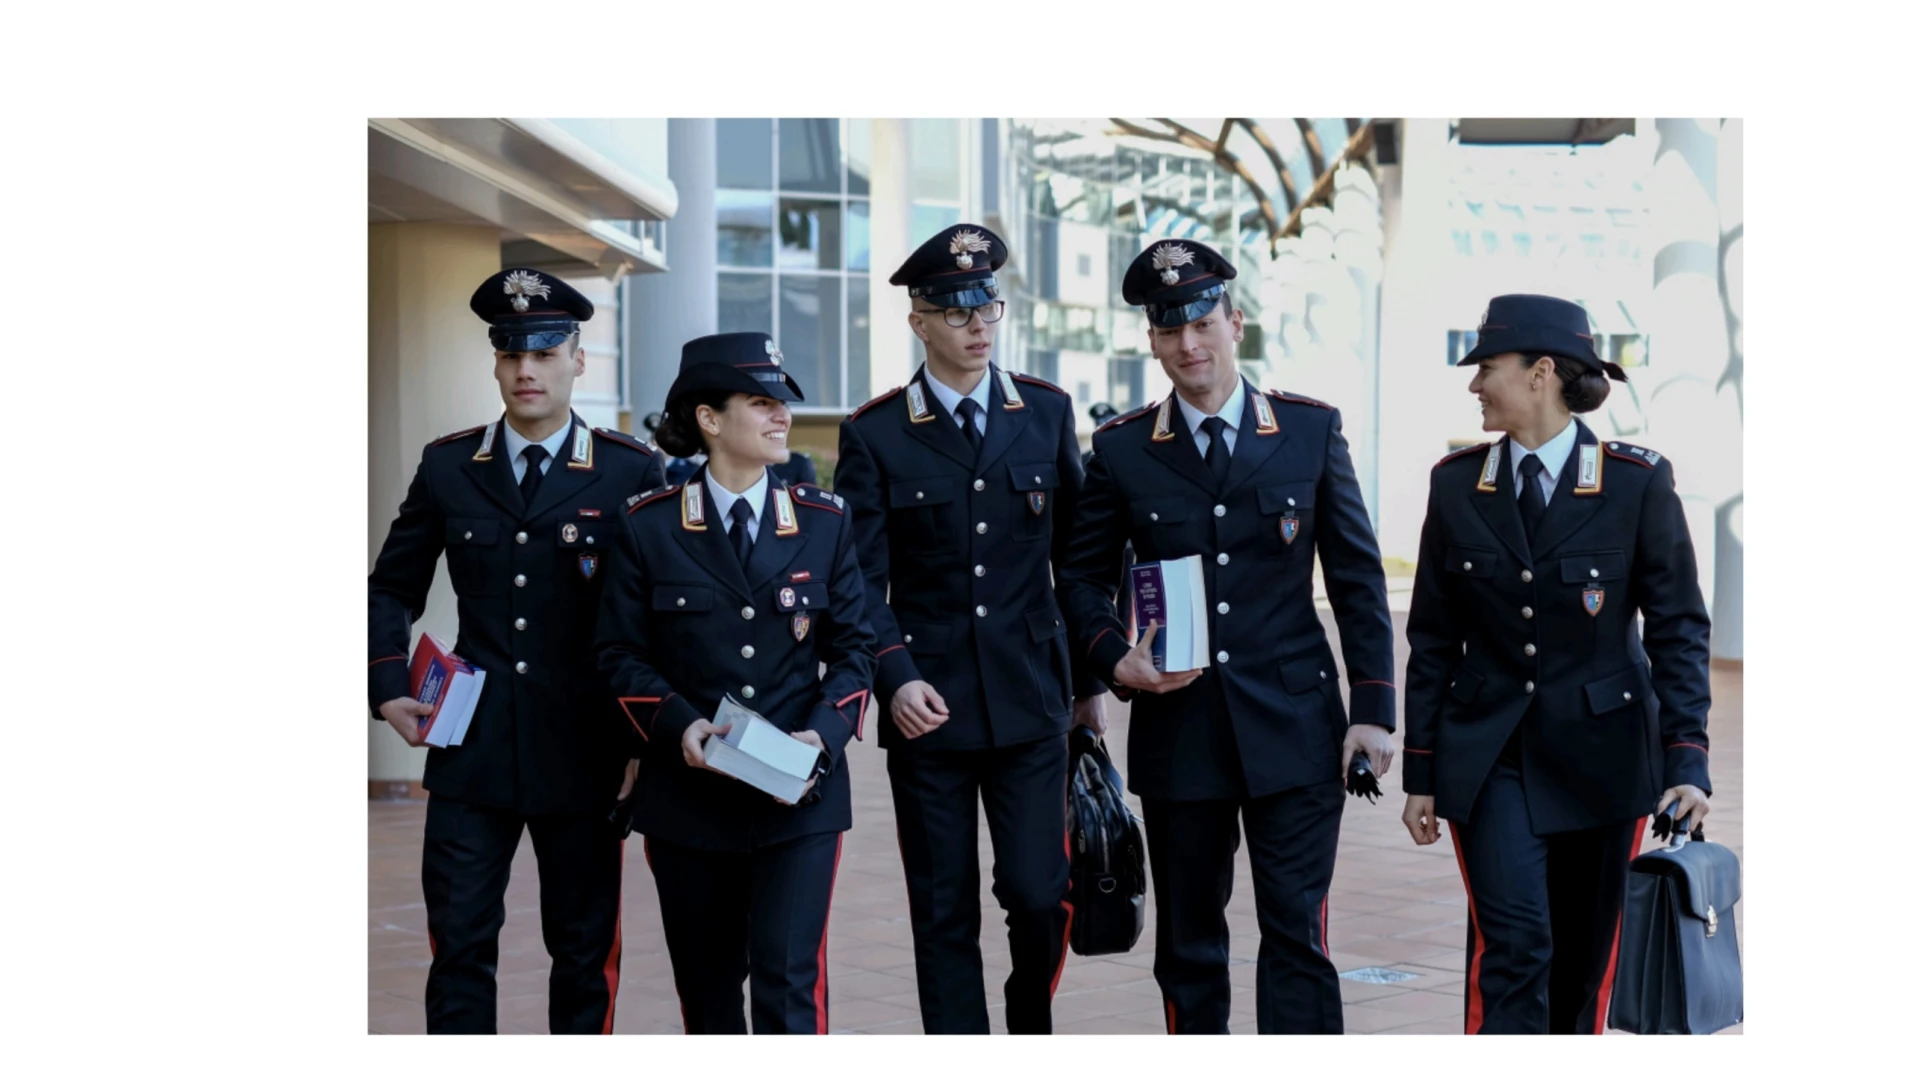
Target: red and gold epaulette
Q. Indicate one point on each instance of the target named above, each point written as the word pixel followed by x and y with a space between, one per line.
pixel 883 397
pixel 635 502
pixel 1124 417
pixel 1298 399
pixel 1639 455
pixel 459 435
pixel 1462 453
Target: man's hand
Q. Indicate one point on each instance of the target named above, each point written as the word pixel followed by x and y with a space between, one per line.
pixel 1419 820
pixel 403 715
pixel 812 739
pixel 693 745
pixel 626 785
pixel 917 708
pixel 1692 803
pixel 1091 713
pixel 1136 668
pixel 1375 740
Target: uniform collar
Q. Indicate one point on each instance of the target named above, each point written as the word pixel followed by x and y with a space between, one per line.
pixel 723 499
pixel 1232 412
pixel 982 393
pixel 1552 454
pixel 517 442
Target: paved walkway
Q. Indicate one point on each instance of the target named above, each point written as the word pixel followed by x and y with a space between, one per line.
pixel 1393 906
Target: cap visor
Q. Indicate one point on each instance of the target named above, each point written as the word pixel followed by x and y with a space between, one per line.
pixel 1174 315
pixel 520 341
pixel 970 297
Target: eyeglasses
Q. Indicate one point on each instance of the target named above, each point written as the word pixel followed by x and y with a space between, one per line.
pixel 958 317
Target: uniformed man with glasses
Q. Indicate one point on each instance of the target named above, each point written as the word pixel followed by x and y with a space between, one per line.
pixel 962 485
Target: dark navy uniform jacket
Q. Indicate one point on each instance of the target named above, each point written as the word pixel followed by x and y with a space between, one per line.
pixel 528 582
pixel 959 557
pixel 1499 630
pixel 1266 716
pixel 683 625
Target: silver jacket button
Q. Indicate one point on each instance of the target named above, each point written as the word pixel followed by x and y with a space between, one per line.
pixel 1289 502
pixel 1526 575
pixel 519 580
pixel 1593 573
pixel 1152 515
pixel 746 651
pixel 1221 656
pixel 519 624
pixel 1526 613
pixel 1628 695
pixel 908 639
pixel 746 613
pixel 469 535
pixel 979 485
pixel 589 539
pixel 1468 565
pixel 680 602
pixel 519 538
pixel 919 494
pixel 1530 650
pixel 1221 558
pixel 1529 686
pixel 521 667
pixel 981 528
pixel 1219 511
pixel 1223 607
pixel 746 691
pixel 981 611
pixel 979 571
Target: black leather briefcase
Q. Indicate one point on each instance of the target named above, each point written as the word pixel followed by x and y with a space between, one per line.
pixel 1679 966
pixel 1107 853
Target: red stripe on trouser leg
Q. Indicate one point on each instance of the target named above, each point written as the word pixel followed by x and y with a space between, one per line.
pixel 1169 1017
pixel 820 960
pixel 612 968
pixel 1323 926
pixel 1475 1009
pixel 433 946
pixel 1066 935
pixel 1613 953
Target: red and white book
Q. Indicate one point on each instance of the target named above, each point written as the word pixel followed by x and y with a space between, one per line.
pixel 450 685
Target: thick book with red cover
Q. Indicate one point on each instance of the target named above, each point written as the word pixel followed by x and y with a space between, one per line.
pixel 448 684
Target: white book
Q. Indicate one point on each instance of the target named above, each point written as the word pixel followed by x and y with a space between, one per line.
pixel 1173 593
pixel 468 687
pixel 755 751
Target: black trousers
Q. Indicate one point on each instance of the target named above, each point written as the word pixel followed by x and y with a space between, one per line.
pixel 464 868
pixel 936 799
pixel 758 917
pixel 1544 934
pixel 1291 838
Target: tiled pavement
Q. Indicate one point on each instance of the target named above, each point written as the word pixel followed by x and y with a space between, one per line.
pixel 1393 905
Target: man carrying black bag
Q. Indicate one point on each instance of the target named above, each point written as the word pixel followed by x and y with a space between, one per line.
pixel 1108 855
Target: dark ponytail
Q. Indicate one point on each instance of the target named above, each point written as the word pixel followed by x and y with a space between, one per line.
pixel 1583 388
pixel 679 431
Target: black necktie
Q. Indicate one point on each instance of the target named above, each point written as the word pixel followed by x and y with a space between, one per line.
pixel 969 409
pixel 1533 499
pixel 742 538
pixel 530 481
pixel 1218 455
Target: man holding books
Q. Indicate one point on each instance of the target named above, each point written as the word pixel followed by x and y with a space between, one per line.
pixel 1254 485
pixel 961 486
pixel 524 509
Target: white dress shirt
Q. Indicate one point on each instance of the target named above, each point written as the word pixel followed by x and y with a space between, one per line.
pixel 723 501
pixel 516 443
pixel 1553 457
pixel 982 395
pixel 1232 412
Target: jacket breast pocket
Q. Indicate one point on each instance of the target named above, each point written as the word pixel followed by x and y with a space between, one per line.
pixel 1161 523
pixel 1584 568
pixel 1471 562
pixel 676 598
pixel 1288 512
pixel 473 556
pixel 1035 485
pixel 804 596
pixel 583 549
pixel 923 513
pixel 1617 691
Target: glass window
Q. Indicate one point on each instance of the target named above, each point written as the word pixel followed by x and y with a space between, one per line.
pixel 859 236
pixel 746 303
pixel 859 156
pixel 810 155
pixel 745 222
pixel 927 220
pixel 859 337
pixel 809 234
pixel 744 153
pixel 810 335
pixel 935 153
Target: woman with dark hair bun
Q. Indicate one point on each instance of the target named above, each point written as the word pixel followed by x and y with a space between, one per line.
pixel 1556 690
pixel 737 584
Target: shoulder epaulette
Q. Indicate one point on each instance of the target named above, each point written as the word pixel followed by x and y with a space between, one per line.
pixel 1298 399
pixel 624 439
pixel 1034 381
pixel 1639 455
pixel 883 397
pixel 459 435
pixel 635 502
pixel 806 495
pixel 1124 417
pixel 1462 453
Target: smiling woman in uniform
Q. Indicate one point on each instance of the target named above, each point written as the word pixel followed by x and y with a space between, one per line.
pixel 737 584
pixel 1544 720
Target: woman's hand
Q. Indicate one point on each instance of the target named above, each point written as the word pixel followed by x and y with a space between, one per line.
pixel 811 739
pixel 693 745
pixel 1419 820
pixel 1688 802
